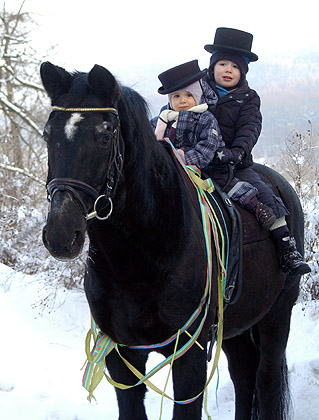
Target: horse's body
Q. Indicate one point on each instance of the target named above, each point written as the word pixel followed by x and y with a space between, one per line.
pixel 147 262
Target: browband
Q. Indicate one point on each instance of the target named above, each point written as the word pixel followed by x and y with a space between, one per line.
pixel 60 108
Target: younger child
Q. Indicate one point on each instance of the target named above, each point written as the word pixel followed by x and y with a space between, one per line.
pixel 191 128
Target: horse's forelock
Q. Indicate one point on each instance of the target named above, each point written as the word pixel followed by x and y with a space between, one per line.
pixel 79 89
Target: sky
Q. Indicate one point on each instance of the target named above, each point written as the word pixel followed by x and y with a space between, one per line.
pixel 137 40
pixel 123 33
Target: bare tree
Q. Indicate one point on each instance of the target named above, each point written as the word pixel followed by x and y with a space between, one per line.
pixel 302 162
pixel 24 107
pixel 22 152
pixel 22 97
pixel 301 166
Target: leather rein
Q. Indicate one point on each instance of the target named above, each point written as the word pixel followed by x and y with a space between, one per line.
pixel 113 174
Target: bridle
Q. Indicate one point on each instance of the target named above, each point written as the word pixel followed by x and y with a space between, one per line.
pixel 102 198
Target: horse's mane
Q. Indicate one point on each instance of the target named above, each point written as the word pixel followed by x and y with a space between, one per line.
pixel 135 123
pixel 145 156
pixel 134 112
pixel 135 101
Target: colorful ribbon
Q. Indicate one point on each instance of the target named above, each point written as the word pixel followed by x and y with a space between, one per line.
pixel 103 344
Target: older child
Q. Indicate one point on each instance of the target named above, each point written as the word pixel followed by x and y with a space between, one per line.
pixel 195 133
pixel 238 114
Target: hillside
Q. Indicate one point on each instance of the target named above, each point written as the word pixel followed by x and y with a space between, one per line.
pixel 289 91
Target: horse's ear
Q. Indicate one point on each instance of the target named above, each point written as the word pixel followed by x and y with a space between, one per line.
pixel 103 84
pixel 55 79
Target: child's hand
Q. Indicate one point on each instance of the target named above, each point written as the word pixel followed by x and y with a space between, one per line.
pixel 233 156
pixel 181 154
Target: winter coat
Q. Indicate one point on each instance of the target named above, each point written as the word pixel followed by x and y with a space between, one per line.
pixel 197 133
pixel 239 118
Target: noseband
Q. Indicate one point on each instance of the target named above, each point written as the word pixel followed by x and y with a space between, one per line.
pixel 113 174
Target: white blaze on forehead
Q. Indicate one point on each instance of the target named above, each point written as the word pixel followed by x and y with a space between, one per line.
pixel 70 127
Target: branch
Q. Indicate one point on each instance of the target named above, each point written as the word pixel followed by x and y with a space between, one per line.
pixel 22 172
pixel 23 82
pixel 4 101
pixel 13 38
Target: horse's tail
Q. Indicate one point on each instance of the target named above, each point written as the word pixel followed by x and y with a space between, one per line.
pixel 284 404
pixel 284 408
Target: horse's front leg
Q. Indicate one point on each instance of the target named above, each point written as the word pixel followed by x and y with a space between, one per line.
pixel 130 401
pixel 189 377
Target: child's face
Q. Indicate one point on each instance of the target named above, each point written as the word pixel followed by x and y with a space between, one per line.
pixel 226 73
pixel 182 100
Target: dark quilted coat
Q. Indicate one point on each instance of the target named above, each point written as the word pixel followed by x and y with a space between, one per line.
pixel 239 118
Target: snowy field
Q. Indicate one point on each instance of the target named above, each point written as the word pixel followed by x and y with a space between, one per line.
pixel 42 352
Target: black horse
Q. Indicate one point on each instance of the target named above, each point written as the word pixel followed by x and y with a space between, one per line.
pixel 147 261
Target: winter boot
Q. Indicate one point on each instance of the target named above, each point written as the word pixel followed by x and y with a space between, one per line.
pixel 265 215
pixel 291 261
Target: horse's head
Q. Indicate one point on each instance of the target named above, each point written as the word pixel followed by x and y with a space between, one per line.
pixel 84 153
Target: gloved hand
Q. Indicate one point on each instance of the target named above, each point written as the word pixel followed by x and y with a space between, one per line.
pixel 233 156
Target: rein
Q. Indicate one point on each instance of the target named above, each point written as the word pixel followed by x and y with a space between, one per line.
pixel 113 174
pixel 103 344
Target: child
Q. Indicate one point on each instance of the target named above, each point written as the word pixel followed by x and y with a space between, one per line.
pixel 191 128
pixel 195 133
pixel 238 114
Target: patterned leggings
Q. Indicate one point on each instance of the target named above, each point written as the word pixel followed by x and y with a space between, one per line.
pixel 246 187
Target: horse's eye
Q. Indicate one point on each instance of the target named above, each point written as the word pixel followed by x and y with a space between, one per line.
pixel 105 139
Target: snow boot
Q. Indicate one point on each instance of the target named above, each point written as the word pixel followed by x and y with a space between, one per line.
pixel 291 261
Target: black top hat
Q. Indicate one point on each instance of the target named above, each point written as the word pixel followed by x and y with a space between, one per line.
pixel 228 39
pixel 180 76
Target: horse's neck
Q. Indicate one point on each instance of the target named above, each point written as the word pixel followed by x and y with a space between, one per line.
pixel 150 208
pixel 157 186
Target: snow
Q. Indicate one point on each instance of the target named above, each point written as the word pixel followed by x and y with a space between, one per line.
pixel 42 352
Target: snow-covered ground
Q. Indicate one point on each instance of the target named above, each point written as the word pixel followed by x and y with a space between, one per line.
pixel 42 352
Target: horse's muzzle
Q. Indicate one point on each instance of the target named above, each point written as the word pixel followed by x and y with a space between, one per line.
pixel 66 251
pixel 64 233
